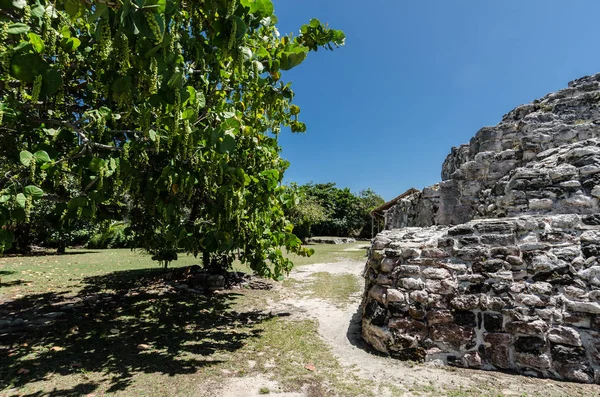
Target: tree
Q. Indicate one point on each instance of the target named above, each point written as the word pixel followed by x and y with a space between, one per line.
pixel 168 111
pixel 305 212
pixel 345 214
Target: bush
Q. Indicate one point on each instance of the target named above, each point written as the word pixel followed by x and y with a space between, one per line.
pixel 114 235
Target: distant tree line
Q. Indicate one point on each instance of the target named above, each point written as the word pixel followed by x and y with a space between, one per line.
pixel 323 209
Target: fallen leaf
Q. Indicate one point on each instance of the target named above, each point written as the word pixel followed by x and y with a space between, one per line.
pixel 57 348
pixel 23 371
pixel 143 346
pixel 310 367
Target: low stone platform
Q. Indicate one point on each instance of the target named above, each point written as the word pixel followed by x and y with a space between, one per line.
pixel 330 240
pixel 518 294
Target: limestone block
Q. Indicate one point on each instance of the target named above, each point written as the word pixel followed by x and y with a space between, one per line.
pixel 465 302
pixel 565 336
pixel 497 349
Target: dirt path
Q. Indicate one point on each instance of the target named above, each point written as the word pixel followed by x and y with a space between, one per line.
pixel 339 327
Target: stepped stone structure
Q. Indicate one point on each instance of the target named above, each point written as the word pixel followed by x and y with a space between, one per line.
pixel 498 265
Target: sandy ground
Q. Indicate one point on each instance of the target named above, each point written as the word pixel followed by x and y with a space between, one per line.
pixel 340 329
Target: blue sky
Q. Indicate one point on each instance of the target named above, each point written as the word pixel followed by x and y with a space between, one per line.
pixel 418 77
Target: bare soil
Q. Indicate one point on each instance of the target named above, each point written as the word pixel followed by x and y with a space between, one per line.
pixel 339 327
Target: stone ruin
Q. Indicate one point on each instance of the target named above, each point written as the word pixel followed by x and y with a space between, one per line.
pixel 498 266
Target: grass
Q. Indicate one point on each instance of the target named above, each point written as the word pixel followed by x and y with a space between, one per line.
pixel 326 253
pixel 21 276
pixel 118 334
pixel 337 289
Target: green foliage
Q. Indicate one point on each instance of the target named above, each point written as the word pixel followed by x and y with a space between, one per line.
pixel 325 210
pixel 168 111
pixel 112 235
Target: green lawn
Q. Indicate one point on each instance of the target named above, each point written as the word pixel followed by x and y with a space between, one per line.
pixel 64 273
pixel 104 326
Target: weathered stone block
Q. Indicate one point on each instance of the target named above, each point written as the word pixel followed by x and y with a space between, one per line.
pixel 497 349
pixel 409 327
pixel 378 293
pixel 493 322
pixel 490 266
pixel 460 230
pixel 419 296
pixel 417 312
pixel 537 327
pixel 465 319
pixel 541 361
pixel 583 307
pixel 378 337
pixel 452 335
pixel 472 359
pixel 487 302
pixel 394 295
pixel 380 242
pixel 411 283
pixel 469 240
pixel 436 273
pixel 376 313
pixel 568 354
pixel 388 264
pixel 433 253
pixel 565 336
pixel 471 253
pixel 465 302
pixel 406 270
pixel 435 317
pixel 531 345
pixel 441 287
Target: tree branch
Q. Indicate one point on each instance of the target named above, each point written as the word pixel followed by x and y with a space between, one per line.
pixel 74 126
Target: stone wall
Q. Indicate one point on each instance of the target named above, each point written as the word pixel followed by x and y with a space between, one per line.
pixel 517 294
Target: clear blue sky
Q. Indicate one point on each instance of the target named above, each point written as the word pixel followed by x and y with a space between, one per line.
pixel 418 77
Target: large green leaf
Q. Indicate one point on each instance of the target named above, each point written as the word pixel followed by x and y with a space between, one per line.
pixel 226 143
pixel 241 27
pixel 42 157
pixel 37 42
pixel 20 4
pixel 25 67
pixel 97 164
pixel 17 28
pixel 76 202
pixel 293 56
pixel 33 191
pixel 21 200
pixel 260 8
pixel 38 11
pixel 72 7
pixel 176 80
pixel 51 82
pixel 70 43
pixel 201 99
pixel 25 157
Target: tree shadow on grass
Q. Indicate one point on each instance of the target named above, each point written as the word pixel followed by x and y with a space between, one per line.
pixel 48 253
pixel 137 329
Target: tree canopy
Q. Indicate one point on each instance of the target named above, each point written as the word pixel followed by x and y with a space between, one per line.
pixel 325 210
pixel 163 111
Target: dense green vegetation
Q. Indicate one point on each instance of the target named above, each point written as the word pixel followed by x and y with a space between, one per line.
pixel 326 210
pixel 161 113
